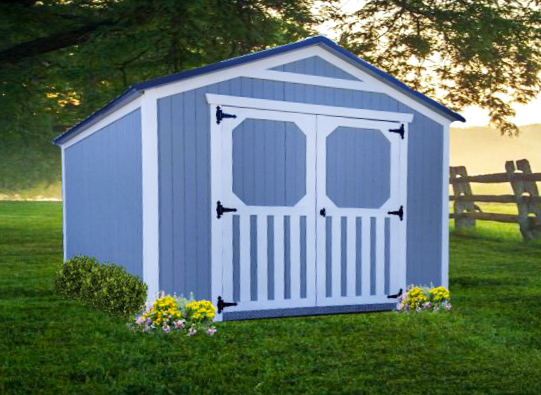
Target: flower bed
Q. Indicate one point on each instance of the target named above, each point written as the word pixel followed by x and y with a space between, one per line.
pixel 424 299
pixel 172 314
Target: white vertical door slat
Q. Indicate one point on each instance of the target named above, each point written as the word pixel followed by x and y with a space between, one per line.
pixel 380 255
pixel 244 257
pixel 262 257
pixel 295 258
pixel 336 256
pixel 351 255
pixel 365 268
pixel 227 258
pixel 278 257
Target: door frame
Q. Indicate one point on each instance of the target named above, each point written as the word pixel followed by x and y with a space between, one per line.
pixel 216 186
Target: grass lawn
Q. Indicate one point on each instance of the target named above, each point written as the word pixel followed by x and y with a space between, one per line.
pixel 489 343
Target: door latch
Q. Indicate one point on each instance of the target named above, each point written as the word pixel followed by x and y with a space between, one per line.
pixel 322 212
pixel 222 305
pixel 220 210
pixel 399 212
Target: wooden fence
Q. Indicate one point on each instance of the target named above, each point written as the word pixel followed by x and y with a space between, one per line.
pixel 525 196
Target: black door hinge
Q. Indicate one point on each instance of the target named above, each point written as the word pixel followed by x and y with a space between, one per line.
pixel 399 212
pixel 395 296
pixel 221 115
pixel 222 305
pixel 220 210
pixel 400 131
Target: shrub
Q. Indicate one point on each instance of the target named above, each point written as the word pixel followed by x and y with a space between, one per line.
pixel 71 275
pixel 172 314
pixel 106 287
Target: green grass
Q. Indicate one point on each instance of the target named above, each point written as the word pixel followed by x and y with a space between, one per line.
pixel 490 343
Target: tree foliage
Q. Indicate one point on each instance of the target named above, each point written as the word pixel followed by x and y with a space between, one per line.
pixel 61 60
pixel 485 53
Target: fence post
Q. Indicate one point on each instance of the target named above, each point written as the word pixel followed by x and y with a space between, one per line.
pixel 529 211
pixel 461 188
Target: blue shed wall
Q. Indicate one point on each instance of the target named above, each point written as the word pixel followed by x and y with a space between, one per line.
pixel 184 178
pixel 315 66
pixel 103 195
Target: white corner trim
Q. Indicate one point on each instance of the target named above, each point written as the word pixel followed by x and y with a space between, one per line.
pixel 115 115
pixel 445 208
pixel 64 229
pixel 306 79
pixel 149 142
pixel 276 105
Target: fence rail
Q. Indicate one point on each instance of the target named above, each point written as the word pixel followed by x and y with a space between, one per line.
pixel 525 196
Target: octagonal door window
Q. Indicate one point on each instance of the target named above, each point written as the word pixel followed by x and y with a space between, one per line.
pixel 358 167
pixel 269 162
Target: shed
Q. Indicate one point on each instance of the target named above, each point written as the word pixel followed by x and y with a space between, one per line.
pixel 292 181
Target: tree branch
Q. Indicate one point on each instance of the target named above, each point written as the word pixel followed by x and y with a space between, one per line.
pixel 50 43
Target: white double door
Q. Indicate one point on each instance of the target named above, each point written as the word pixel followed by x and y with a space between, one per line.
pixel 314 198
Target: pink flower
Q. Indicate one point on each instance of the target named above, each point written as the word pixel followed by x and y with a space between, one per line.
pixel 140 320
pixel 447 306
pixel 426 306
pixel 179 324
pixel 436 308
pixel 193 331
pixel 418 309
pixel 166 329
pixel 211 331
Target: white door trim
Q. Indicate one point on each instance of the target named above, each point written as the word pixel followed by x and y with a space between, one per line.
pixel 303 108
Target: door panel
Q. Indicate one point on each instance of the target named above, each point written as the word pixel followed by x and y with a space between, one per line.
pixel 359 171
pixel 276 250
pixel 267 173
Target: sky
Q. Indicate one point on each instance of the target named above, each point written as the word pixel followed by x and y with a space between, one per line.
pixel 526 115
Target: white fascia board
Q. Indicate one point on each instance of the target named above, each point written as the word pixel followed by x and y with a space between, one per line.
pixel 303 108
pixel 260 69
pixel 111 117
pixel 393 92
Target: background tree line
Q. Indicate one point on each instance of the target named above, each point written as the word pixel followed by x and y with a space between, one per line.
pixel 60 60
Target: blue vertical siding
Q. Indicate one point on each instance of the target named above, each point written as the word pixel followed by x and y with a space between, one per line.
pixel 103 195
pixel 184 171
pixel 315 65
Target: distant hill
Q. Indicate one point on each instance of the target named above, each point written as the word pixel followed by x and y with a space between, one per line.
pixel 483 150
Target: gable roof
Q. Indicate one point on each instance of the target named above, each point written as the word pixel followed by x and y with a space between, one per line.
pixel 138 89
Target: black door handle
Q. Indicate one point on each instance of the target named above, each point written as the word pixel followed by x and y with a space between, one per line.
pixel 220 210
pixel 322 212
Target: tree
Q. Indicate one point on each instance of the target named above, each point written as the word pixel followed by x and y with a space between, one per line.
pixel 460 52
pixel 60 60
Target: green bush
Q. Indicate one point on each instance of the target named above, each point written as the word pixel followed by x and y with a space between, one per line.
pixel 71 274
pixel 106 287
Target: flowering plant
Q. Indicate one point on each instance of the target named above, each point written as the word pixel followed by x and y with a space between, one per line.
pixel 424 299
pixel 172 314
